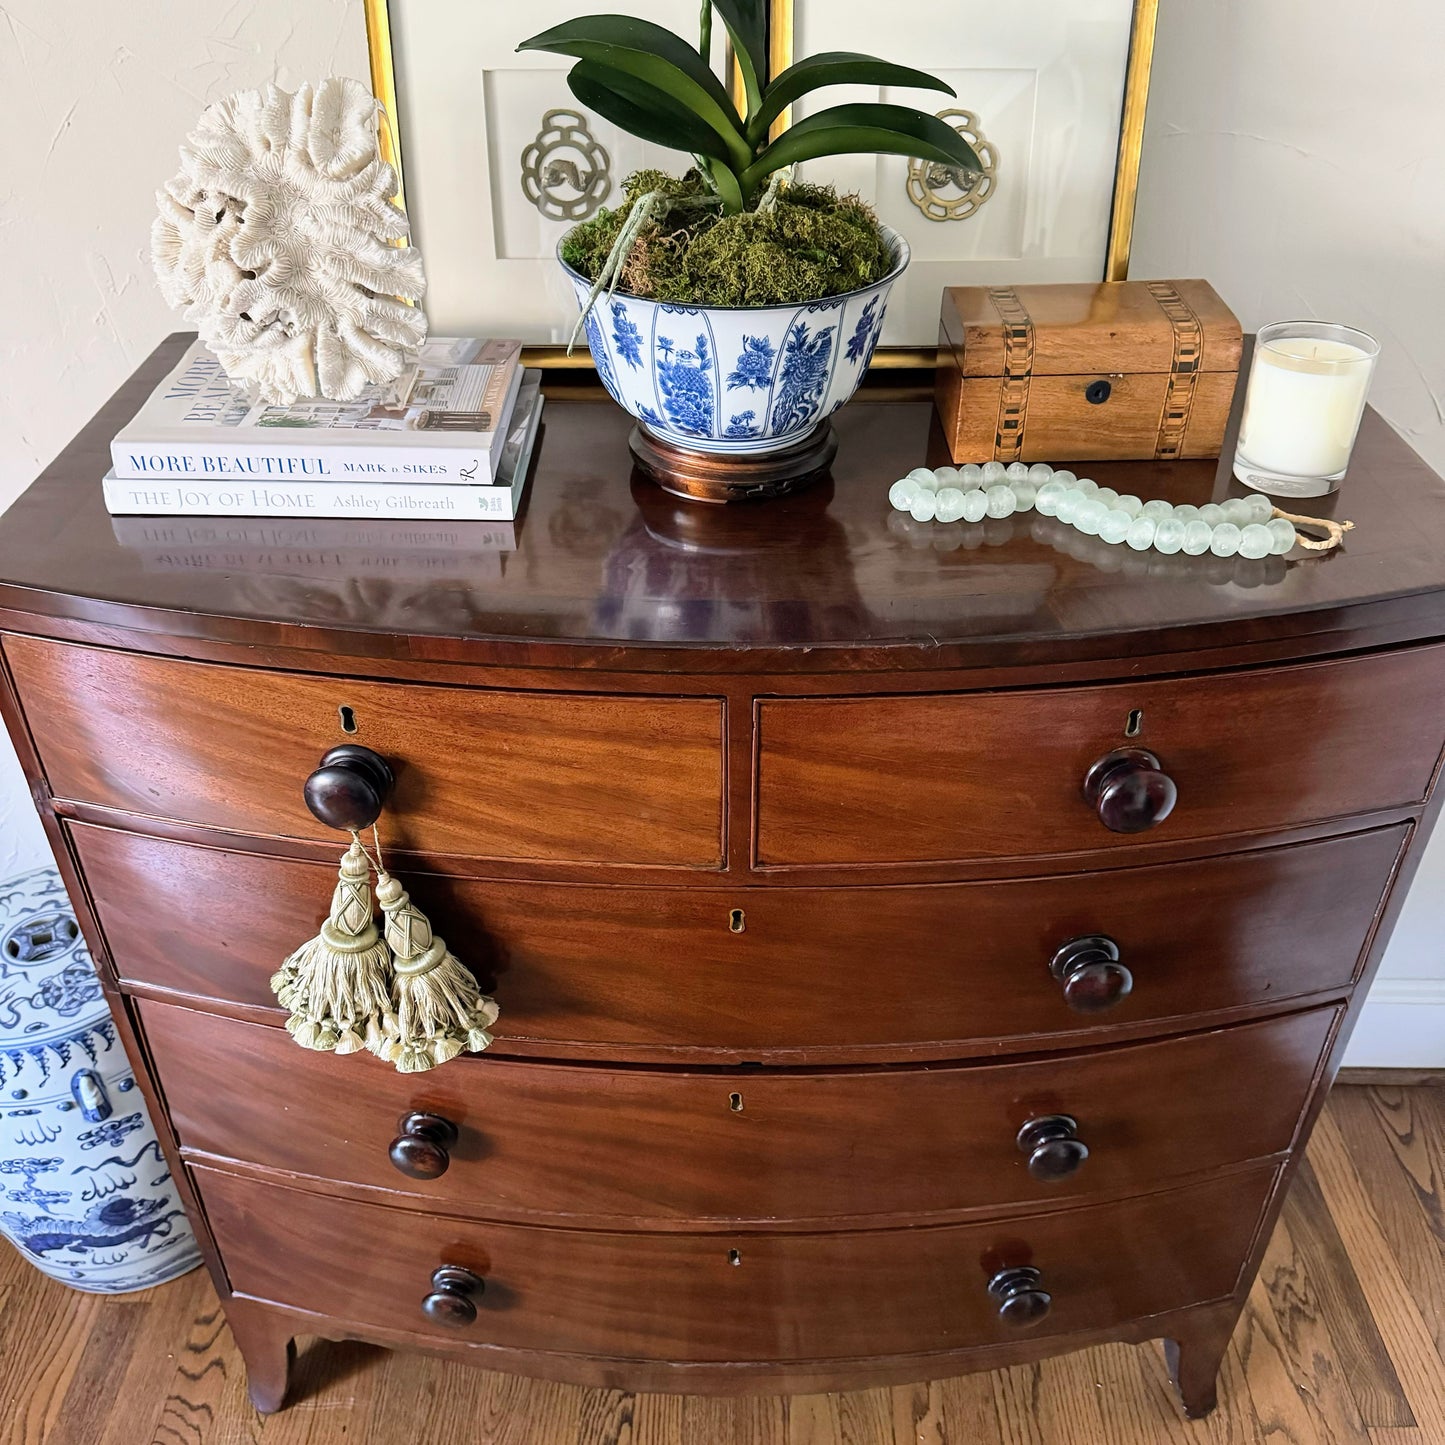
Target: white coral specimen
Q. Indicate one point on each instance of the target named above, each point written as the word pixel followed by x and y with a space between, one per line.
pixel 273 238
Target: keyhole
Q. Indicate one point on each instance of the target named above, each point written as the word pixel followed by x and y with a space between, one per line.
pixel 737 920
pixel 348 719
pixel 735 1103
pixel 734 1257
pixel 1135 725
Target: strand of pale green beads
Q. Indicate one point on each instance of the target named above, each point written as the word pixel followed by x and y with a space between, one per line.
pixel 1243 525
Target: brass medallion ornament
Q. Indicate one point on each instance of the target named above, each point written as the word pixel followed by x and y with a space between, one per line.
pixel 951 193
pixel 565 171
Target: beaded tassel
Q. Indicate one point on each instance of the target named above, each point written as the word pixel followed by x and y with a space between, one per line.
pixel 440 1011
pixel 337 986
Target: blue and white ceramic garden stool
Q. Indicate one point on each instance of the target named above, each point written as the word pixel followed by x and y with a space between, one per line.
pixel 85 1193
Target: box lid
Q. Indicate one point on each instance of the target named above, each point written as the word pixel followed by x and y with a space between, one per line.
pixel 1073 328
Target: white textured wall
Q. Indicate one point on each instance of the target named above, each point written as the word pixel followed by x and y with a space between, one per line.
pixel 97 95
pixel 1294 155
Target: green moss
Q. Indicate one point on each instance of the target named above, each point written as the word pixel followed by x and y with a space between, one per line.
pixel 809 244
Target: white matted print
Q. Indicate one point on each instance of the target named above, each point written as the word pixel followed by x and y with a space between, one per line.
pixel 499 159
pixel 1043 82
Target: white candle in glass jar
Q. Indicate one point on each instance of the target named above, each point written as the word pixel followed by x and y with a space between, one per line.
pixel 1303 406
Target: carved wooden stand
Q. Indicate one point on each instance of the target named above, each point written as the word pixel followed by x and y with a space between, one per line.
pixel 713 477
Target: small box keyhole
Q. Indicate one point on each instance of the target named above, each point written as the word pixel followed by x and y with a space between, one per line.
pixel 1135 724
pixel 737 920
pixel 734 1257
pixel 735 1103
pixel 348 719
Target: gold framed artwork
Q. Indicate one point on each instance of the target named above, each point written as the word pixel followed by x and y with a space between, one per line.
pixel 496 159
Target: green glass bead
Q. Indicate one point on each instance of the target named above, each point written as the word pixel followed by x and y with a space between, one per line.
pixel 1141 534
pixel 1115 526
pixel 1000 501
pixel 1211 513
pixel 1091 512
pixel 948 504
pixel 1281 534
pixel 975 504
pixel 1197 536
pixel 1168 535
pixel 993 472
pixel 1254 540
pixel 1131 504
pixel 970 474
pixel 1158 509
pixel 1225 542
pixel 1049 495
pixel 902 493
pixel 925 504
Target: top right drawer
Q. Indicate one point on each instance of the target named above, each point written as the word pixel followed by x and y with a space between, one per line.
pixel 961 776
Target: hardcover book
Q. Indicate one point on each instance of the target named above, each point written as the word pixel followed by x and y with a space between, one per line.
pixel 443 422
pixel 312 497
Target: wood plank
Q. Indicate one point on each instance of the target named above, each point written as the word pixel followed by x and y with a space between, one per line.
pixel 1388 1132
pixel 1322 1311
pixel 1396 1316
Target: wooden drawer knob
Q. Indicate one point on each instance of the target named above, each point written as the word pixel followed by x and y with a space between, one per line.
pixel 1053 1147
pixel 1090 971
pixel 349 787
pixel 451 1301
pixel 1021 1302
pixel 1130 790
pixel 420 1149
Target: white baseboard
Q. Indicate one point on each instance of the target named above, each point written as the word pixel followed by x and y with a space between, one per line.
pixel 1402 1026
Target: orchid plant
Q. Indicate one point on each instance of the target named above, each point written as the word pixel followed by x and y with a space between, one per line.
pixel 655 85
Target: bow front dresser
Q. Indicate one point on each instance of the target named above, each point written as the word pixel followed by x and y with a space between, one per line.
pixel 918 948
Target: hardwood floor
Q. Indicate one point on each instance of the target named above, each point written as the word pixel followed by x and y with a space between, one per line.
pixel 1341 1344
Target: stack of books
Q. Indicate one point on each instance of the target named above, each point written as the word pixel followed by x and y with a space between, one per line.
pixel 452 440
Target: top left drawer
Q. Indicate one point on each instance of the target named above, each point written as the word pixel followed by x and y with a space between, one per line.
pixel 528 776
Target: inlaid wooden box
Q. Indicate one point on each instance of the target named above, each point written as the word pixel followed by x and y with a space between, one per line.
pixel 1109 369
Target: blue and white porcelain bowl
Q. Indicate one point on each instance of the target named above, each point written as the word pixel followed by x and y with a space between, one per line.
pixel 741 380
pixel 85 1193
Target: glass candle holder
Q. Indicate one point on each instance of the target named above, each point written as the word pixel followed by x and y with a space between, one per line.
pixel 1302 407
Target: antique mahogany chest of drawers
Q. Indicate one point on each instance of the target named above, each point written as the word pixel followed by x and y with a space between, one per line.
pixel 867 1012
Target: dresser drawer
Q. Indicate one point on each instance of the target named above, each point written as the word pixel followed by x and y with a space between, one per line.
pixel 997 775
pixel 703 1297
pixel 816 974
pixel 569 1145
pixel 545 776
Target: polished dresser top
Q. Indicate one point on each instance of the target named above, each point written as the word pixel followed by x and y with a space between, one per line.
pixel 606 571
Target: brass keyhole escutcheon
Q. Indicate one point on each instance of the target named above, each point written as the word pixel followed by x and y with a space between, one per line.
pixel 737 921
pixel 735 1103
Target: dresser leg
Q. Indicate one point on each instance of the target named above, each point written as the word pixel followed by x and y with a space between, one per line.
pixel 268 1350
pixel 1194 1357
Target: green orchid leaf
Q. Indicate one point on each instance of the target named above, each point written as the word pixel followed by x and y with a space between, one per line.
pixel 859 130
pixel 834 67
pixel 643 110
pixel 657 56
pixel 747 25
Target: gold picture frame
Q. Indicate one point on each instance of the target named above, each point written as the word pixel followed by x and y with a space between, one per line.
pixel 1138 65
